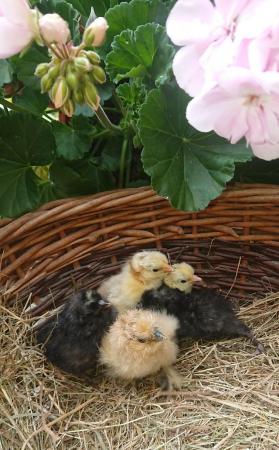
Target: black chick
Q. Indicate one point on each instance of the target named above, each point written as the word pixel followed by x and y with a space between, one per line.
pixel 71 339
pixel 202 314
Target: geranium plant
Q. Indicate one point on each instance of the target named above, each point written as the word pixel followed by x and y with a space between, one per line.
pixel 94 94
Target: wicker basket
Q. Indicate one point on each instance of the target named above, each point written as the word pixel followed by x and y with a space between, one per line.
pixel 66 244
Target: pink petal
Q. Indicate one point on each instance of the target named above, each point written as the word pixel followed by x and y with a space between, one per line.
pixel 241 82
pixel 217 57
pixel 230 9
pixel 13 38
pixel 266 151
pixel 190 21
pixel 187 69
pixel 215 110
pixel 16 11
pixel 258 54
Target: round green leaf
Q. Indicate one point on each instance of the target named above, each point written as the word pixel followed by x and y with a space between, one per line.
pixel 25 141
pixel 188 167
pixel 79 177
pixel 70 143
pixel 131 15
pixel 144 53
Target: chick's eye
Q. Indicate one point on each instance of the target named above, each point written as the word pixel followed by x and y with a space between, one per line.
pixel 155 270
pixel 142 340
pixel 183 281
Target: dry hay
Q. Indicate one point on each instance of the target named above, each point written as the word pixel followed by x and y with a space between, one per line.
pixel 229 398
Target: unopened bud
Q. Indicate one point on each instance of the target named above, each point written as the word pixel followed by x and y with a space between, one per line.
pixel 46 83
pixel 41 70
pixel 54 29
pixel 82 64
pixel 78 97
pixel 68 108
pixel 93 57
pixel 94 35
pixel 54 71
pixel 60 92
pixel 72 80
pixel 98 74
pixel 91 95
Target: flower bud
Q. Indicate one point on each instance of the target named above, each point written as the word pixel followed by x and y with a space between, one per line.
pixel 91 95
pixel 54 71
pixel 68 108
pixel 82 64
pixel 46 83
pixel 78 97
pixel 94 35
pixel 41 70
pixel 93 57
pixel 54 29
pixel 60 92
pixel 98 74
pixel 72 80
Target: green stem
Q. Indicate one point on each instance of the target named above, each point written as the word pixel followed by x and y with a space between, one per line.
pixel 105 122
pixel 15 107
pixel 118 103
pixel 122 162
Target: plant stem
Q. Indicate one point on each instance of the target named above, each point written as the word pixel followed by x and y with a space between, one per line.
pixel 118 103
pixel 122 162
pixel 16 108
pixel 105 122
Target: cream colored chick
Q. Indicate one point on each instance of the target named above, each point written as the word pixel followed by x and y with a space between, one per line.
pixel 141 343
pixel 144 271
pixel 182 277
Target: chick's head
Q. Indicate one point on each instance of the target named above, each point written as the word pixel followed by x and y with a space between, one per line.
pixel 151 265
pixel 182 277
pixel 144 327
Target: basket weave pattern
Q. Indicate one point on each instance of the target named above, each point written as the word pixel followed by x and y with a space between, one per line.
pixel 233 244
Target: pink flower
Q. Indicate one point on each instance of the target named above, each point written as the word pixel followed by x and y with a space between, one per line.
pixel 206 34
pixel 16 27
pixel 242 104
pixel 54 29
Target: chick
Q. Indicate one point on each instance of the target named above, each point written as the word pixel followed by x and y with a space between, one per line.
pixel 141 343
pixel 71 339
pixel 145 270
pixel 202 314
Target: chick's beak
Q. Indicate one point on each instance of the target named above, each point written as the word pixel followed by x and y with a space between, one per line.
pixel 196 278
pixel 158 335
pixel 167 269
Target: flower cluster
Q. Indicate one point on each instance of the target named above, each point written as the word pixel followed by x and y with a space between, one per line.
pixel 71 75
pixel 229 63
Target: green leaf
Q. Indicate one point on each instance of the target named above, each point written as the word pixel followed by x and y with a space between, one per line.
pixel 70 143
pixel 188 167
pixel 25 66
pixel 144 53
pixel 25 141
pixel 6 72
pixel 82 6
pixel 128 16
pixel 79 177
pixel 32 101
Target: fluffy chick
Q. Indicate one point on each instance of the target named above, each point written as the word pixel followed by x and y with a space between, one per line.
pixel 202 314
pixel 145 270
pixel 141 343
pixel 71 339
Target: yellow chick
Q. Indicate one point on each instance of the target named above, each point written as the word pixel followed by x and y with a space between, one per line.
pixel 144 271
pixel 141 343
pixel 182 277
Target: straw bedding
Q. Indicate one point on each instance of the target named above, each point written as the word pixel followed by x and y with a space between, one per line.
pixel 229 398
